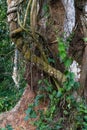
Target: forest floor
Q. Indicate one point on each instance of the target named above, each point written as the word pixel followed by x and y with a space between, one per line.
pixel 16 116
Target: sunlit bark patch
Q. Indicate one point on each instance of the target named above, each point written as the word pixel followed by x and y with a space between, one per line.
pixel 69 21
pixel 75 68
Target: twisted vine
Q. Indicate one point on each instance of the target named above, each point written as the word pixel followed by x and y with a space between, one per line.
pixel 42 61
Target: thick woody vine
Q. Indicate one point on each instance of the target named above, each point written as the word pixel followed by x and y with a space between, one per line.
pixel 18 26
pixel 23 18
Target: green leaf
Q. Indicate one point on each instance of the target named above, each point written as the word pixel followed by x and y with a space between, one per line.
pixel 68 62
pixel 51 60
pixel 63 56
pixel 85 125
pixel 37 99
pixel 33 115
pixel 66 112
pixel 54 93
pixel 2 128
pixel 28 111
pixel 72 82
pixel 26 118
pixel 85 118
pixel 72 75
pixel 9 127
pixel 58 127
pixel 85 111
pixel 59 94
pixel 85 39
pixel 68 86
pixel 40 81
pixel 45 7
pixel 49 89
pixel 76 85
pixel 62 48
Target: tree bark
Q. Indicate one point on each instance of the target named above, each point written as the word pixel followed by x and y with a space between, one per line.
pixel 83 79
pixel 15 33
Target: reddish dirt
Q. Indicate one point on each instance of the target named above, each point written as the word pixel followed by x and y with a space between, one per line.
pixel 15 117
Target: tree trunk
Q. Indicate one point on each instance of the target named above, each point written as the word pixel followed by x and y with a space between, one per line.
pixel 15 116
pixel 83 80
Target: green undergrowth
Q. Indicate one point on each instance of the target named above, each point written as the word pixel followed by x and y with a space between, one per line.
pixel 8 127
pixel 9 95
pixel 64 111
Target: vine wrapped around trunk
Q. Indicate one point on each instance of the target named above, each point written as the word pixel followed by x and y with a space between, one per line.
pixel 15 30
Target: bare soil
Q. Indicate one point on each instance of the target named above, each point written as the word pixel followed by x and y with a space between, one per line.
pixel 15 117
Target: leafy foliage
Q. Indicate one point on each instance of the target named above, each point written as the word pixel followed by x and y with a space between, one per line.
pixel 64 110
pixel 8 127
pixel 9 94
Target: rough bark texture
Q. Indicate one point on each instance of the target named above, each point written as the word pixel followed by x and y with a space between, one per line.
pixel 55 23
pixel 15 117
pixel 83 80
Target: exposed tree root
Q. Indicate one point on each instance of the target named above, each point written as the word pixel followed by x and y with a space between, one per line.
pixel 15 117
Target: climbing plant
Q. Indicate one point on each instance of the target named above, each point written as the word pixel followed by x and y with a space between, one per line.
pixel 64 110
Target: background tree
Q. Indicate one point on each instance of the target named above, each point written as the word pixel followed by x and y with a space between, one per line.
pixel 8 88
